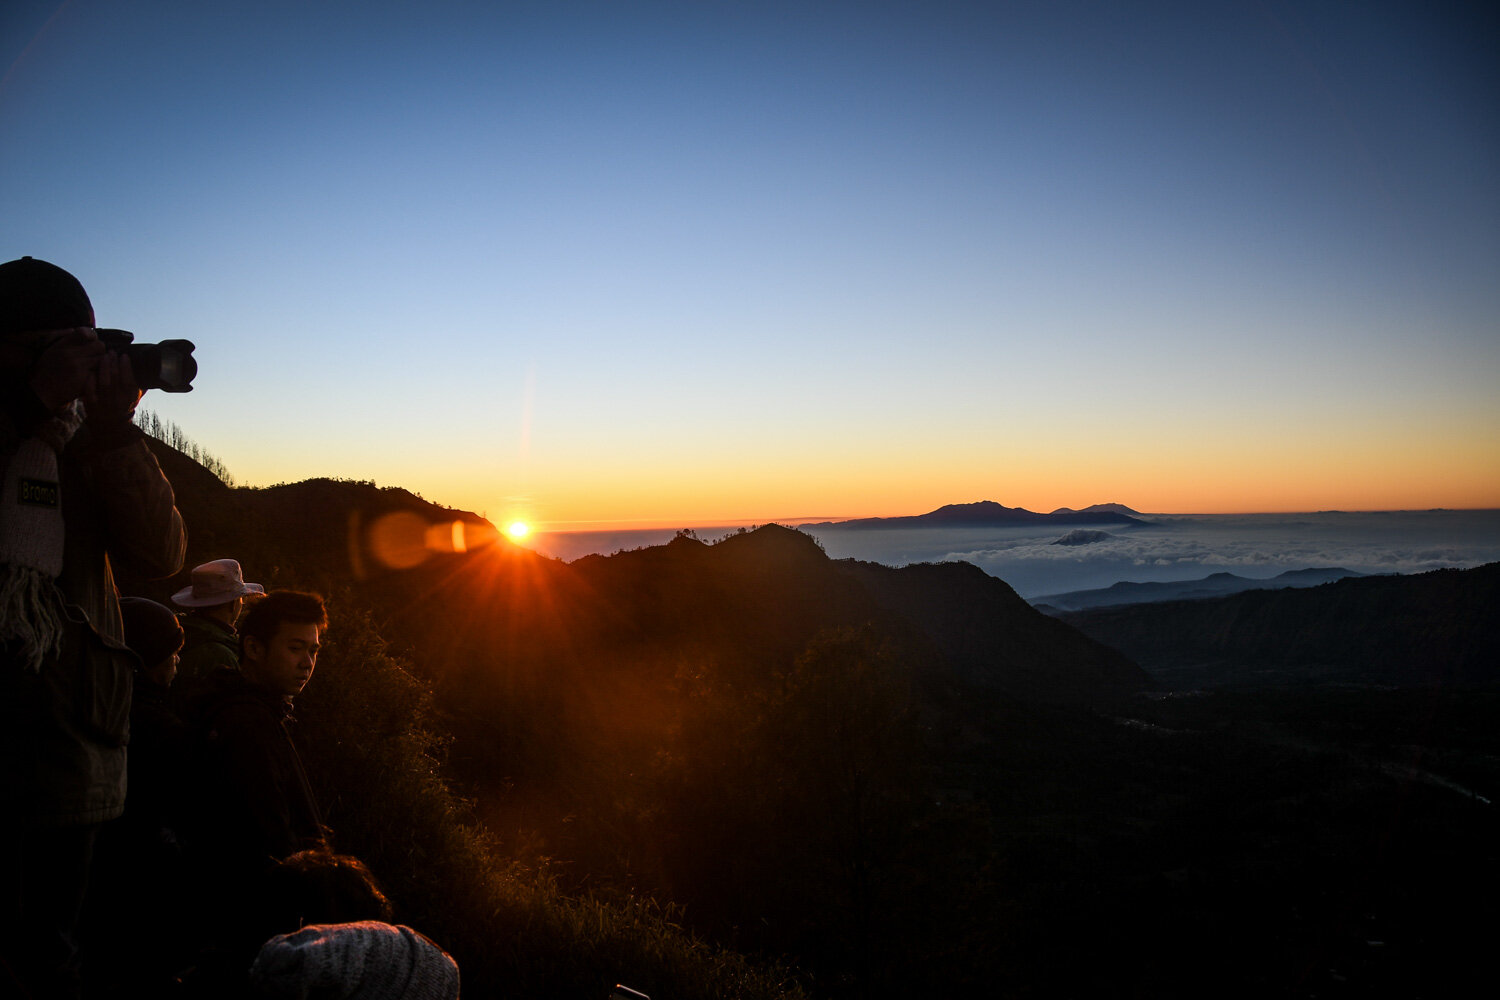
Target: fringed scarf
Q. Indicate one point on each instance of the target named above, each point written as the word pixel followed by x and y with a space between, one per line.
pixel 32 609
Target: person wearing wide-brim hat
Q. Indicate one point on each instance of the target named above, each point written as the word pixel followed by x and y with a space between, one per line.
pixel 214 600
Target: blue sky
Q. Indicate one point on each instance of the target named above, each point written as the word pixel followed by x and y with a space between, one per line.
pixel 714 261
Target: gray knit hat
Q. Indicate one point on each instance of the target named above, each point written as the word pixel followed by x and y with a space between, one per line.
pixel 367 960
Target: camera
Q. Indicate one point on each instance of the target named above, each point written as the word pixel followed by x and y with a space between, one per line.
pixel 168 366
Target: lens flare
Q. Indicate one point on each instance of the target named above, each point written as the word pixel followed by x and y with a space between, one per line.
pixel 403 539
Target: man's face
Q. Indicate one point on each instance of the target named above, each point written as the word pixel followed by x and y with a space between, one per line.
pixel 286 662
pixel 60 365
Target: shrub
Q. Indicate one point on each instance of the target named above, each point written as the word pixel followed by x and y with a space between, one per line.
pixel 375 750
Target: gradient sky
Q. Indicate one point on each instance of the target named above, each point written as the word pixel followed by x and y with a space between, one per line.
pixel 700 263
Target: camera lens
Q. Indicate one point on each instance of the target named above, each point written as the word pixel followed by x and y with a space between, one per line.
pixel 168 366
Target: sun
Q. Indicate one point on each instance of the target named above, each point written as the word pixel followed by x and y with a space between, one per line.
pixel 518 530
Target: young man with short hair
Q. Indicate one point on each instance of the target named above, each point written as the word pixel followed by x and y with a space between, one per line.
pixel 259 805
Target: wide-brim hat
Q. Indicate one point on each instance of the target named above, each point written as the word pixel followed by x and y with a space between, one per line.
pixel 216 582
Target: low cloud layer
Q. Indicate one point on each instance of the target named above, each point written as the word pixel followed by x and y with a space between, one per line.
pixel 1171 548
pixel 1185 548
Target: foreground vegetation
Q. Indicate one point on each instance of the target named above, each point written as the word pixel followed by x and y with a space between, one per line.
pixel 1335 842
pixel 377 753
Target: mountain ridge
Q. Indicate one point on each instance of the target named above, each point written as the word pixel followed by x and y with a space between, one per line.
pixel 1434 629
pixel 989 513
pixel 1218 584
pixel 754 598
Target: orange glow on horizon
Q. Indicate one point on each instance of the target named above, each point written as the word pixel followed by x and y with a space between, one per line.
pixel 1180 469
pixel 1187 470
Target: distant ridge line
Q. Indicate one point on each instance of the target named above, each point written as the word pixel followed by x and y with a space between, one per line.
pixel 988 513
pixel 1221 584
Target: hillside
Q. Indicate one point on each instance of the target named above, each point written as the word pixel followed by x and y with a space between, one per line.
pixel 1435 628
pixel 318 532
pixel 994 638
pixel 1213 585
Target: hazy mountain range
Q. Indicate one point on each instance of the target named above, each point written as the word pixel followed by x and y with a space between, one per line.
pixel 1213 585
pixel 989 514
pixel 1436 629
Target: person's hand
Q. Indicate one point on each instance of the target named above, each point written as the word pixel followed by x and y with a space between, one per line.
pixel 110 397
pixel 67 366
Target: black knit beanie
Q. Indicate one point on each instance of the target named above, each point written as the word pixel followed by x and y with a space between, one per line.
pixel 151 630
pixel 36 295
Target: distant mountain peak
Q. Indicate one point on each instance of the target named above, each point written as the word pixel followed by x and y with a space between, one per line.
pixel 977 507
pixel 989 514
pixel 772 542
pixel 1100 508
pixel 1113 508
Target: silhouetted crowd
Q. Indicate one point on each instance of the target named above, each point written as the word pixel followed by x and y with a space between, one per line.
pixel 161 838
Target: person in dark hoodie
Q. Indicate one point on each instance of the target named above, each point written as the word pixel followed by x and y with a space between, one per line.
pixel 252 804
pixel 260 803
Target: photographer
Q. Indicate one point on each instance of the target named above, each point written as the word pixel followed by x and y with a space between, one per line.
pixel 80 491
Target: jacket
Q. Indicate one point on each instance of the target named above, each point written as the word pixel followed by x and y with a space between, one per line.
pixel 254 802
pixel 208 646
pixel 63 730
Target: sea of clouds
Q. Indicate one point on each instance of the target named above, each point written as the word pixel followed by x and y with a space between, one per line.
pixel 1169 547
pixel 1188 547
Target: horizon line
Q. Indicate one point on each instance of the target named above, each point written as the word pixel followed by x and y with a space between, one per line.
pixel 659 524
